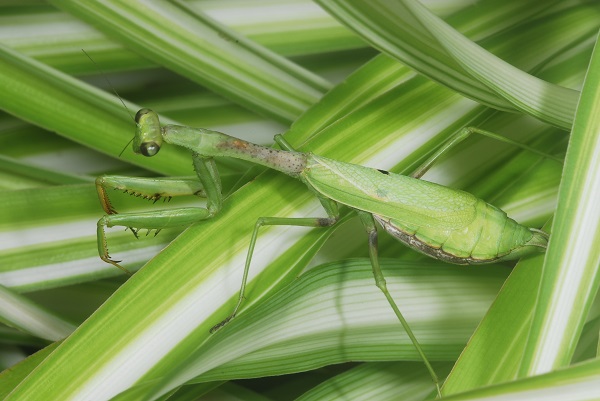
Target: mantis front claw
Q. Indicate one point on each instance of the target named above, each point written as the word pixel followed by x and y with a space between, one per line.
pixel 107 259
pixel 103 247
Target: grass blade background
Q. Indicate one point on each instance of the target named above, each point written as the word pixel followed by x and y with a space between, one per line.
pixel 359 122
pixel 377 381
pixel 551 103
pixel 380 381
pixel 19 312
pixel 56 38
pixel 58 102
pixel 570 277
pixel 410 28
pixel 237 68
pixel 575 383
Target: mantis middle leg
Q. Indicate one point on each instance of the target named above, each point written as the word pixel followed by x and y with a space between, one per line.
pixel 333 216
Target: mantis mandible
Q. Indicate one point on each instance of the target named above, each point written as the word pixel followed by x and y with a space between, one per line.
pixel 441 222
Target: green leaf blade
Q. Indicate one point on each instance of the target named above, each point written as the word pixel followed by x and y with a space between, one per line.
pixel 570 281
pixel 194 45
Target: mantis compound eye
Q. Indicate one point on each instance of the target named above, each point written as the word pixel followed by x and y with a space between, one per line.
pixel 149 148
pixel 148 135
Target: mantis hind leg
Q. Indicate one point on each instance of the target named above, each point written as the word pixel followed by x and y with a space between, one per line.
pixel 332 211
pixel 450 143
pixel 369 224
pixel 463 134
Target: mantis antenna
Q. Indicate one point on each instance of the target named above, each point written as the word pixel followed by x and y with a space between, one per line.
pixel 116 94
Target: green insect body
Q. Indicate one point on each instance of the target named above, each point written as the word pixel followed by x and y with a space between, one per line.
pixel 441 222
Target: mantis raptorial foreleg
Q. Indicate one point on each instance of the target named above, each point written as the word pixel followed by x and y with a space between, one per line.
pixel 206 185
pixel 146 188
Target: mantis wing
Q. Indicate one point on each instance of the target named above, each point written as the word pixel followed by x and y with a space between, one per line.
pixel 411 201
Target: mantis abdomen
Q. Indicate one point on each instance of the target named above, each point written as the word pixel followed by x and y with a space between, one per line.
pixel 491 237
pixel 441 222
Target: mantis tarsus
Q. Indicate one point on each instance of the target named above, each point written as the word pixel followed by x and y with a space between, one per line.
pixel 444 223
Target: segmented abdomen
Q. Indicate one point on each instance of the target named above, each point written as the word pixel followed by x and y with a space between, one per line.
pixel 491 236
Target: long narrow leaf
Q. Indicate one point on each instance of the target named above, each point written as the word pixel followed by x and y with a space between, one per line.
pixel 551 103
pixel 408 31
pixel 192 44
pixel 376 381
pixel 60 103
pixel 290 28
pixel 576 383
pixel 146 330
pixel 570 279
pixel 17 311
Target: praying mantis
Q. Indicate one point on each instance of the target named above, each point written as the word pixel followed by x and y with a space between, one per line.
pixel 444 223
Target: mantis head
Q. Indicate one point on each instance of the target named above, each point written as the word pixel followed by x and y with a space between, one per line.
pixel 148 135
